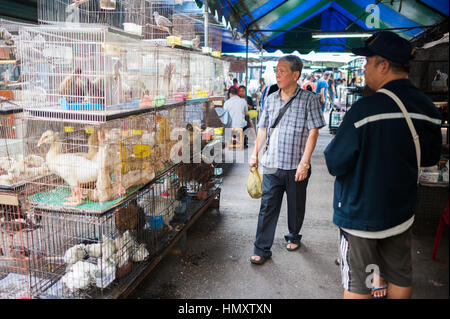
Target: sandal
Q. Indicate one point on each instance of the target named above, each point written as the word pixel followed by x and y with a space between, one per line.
pixel 376 289
pixel 261 260
pixel 337 261
pixel 292 249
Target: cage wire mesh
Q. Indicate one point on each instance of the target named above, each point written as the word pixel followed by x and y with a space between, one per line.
pixel 76 69
pixel 159 24
pixel 88 256
pixel 113 13
pixel 91 167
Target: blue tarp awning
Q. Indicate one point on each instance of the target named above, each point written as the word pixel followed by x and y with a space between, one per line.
pixel 288 24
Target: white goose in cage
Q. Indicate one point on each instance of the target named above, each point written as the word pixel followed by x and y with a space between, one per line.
pixel 73 169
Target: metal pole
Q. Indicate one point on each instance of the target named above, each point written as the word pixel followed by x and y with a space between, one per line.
pixel 246 60
pixel 206 23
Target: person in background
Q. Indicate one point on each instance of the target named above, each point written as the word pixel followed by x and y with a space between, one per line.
pixel 229 81
pixel 238 110
pixel 243 95
pixel 331 91
pixel 236 84
pixel 374 197
pixel 261 89
pixel 321 90
pixel 250 104
pixel 286 162
pixel 309 81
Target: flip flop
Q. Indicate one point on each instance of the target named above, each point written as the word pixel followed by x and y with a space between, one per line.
pixel 292 249
pixel 261 260
pixel 337 262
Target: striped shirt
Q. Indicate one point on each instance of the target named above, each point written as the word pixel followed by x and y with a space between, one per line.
pixel 287 141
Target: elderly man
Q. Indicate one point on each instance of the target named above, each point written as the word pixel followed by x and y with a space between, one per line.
pixel 289 141
pixel 376 160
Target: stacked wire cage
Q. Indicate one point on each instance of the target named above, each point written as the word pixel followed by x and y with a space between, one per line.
pixel 98 161
pixel 105 116
pixel 83 69
pixel 15 170
pixel 120 14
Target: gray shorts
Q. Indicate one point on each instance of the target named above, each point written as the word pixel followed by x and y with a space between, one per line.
pixel 361 257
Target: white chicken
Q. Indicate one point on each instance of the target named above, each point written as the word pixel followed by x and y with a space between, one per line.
pixel 140 254
pixel 79 275
pixel 75 254
pixel 73 169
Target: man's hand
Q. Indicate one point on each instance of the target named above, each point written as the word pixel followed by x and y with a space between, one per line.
pixel 253 161
pixel 301 173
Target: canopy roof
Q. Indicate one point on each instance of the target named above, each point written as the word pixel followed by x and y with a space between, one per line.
pixel 288 25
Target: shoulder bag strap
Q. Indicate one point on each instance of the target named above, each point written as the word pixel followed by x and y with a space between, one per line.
pixel 280 115
pixel 284 109
pixel 410 125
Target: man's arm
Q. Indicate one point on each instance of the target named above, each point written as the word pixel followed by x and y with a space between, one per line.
pixel 322 95
pixel 302 172
pixel 260 139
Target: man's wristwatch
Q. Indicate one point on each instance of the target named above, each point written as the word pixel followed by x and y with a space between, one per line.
pixel 305 165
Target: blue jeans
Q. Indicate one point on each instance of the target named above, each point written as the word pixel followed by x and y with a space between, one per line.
pixel 322 106
pixel 273 187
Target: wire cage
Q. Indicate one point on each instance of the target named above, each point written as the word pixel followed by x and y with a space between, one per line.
pixel 72 255
pixel 159 24
pixel 120 14
pixel 220 71
pixel 92 167
pixel 77 69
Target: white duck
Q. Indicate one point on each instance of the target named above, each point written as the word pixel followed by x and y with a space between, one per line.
pixel 74 169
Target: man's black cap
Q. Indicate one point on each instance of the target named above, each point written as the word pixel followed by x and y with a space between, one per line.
pixel 389 45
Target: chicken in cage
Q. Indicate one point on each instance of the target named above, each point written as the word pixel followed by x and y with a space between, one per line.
pixel 158 204
pixel 87 256
pixel 73 69
pixel 91 167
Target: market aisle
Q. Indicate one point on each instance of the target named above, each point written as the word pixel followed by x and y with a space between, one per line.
pixel 215 264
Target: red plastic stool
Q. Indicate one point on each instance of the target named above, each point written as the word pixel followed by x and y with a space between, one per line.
pixel 442 222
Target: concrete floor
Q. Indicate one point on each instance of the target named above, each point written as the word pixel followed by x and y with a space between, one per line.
pixel 215 263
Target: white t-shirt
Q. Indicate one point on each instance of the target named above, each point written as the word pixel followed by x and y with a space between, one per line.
pixel 236 107
pixel 396 230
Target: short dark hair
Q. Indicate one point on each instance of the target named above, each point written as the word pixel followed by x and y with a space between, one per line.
pixel 243 86
pixel 235 80
pixel 232 90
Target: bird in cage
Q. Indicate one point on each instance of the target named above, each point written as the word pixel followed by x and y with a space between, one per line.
pixel 196 42
pixel 73 88
pixel 72 168
pixel 6 36
pixel 163 22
